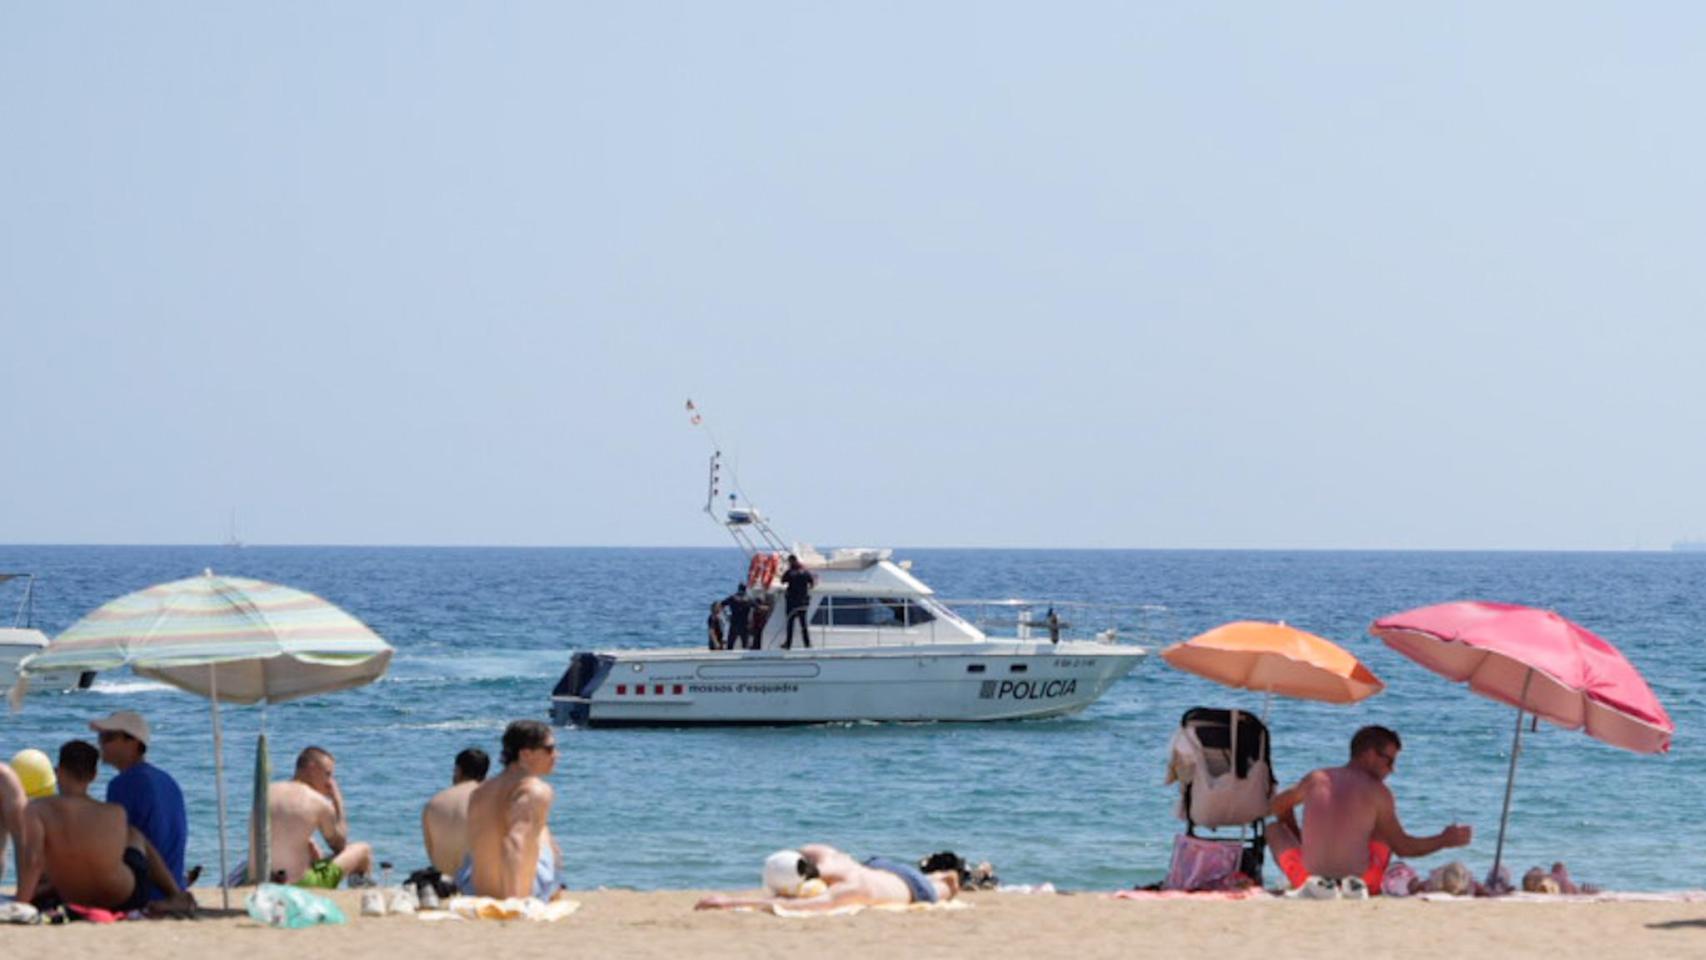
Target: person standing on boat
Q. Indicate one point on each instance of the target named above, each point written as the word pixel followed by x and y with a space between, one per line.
pixel 714 626
pixel 799 582
pixel 762 607
pixel 738 606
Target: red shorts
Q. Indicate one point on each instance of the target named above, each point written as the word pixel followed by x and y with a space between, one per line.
pixel 1379 855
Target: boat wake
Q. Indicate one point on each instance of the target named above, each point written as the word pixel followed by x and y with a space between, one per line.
pixel 125 688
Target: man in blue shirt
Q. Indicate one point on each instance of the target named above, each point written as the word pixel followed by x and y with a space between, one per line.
pixel 150 797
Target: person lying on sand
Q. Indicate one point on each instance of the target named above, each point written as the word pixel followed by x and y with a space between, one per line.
pixel 311 801
pixel 88 851
pixel 511 851
pixel 1351 827
pixel 845 882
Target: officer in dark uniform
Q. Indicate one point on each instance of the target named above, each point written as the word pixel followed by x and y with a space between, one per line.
pixel 739 608
pixel 799 582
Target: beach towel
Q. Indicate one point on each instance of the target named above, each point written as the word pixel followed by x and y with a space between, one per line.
pixel 490 908
pixel 96 914
pixel 1248 893
pixel 1604 896
pixel 789 913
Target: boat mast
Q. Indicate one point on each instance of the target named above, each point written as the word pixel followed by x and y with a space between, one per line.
pixel 26 605
pixel 744 523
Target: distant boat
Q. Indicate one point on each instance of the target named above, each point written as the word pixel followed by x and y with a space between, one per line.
pixel 231 539
pixel 1689 546
pixel 21 640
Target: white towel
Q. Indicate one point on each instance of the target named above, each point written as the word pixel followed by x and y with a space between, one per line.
pixel 515 908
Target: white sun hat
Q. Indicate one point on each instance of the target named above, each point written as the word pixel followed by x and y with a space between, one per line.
pixel 785 871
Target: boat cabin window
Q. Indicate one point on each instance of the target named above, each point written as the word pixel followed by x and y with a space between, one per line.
pixel 892 612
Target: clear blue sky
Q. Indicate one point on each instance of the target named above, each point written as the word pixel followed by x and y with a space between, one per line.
pixel 1165 275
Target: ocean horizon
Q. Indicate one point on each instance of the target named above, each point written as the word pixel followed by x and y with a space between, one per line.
pixel 483 632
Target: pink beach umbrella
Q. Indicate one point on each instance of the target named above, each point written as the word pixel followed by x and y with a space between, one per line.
pixel 1538 662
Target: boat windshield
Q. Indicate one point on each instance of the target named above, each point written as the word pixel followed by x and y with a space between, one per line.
pixel 845 611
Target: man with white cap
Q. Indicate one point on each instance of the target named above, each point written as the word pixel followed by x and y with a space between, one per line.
pixel 77 850
pixel 151 799
pixel 820 877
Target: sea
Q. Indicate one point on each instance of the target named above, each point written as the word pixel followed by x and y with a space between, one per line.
pixel 483 634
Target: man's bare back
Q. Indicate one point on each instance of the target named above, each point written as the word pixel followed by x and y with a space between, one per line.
pixel 82 845
pixel 1341 809
pixel 507 818
pixel 444 826
pixel 297 812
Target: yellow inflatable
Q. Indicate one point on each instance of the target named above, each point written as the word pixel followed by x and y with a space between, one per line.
pixel 36 771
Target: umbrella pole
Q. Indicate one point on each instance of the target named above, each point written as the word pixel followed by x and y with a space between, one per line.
pixel 1510 778
pixel 260 815
pixel 219 786
pixel 1234 740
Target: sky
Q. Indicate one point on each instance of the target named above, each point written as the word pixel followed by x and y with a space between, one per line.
pixel 1189 275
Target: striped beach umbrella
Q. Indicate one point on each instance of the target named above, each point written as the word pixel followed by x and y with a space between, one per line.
pixel 229 639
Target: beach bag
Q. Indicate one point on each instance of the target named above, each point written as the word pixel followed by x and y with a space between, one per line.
pixel 1203 864
pixel 277 905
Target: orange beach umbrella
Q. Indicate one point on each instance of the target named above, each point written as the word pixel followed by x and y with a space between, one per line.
pixel 1274 658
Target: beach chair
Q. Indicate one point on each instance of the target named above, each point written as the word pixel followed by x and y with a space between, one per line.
pixel 1221 761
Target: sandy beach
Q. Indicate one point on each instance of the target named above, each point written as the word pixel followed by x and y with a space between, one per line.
pixel 1085 925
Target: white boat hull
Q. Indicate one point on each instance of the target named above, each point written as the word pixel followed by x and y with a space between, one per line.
pixel 18 643
pixel 988 680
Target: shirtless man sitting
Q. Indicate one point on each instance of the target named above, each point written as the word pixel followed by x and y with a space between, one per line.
pixel 1351 827
pixel 12 802
pixel 512 851
pixel 444 820
pixel 88 851
pixel 311 801
pixel 849 883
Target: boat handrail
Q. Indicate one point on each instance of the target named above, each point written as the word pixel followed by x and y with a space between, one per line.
pixel 1076 619
pixel 1023 619
pixel 1044 602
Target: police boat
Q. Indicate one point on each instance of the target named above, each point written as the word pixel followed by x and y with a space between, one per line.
pixel 884 647
pixel 20 641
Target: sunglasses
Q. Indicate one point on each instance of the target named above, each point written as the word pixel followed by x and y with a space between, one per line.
pixel 107 736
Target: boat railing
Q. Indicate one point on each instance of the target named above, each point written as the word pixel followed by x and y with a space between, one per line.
pixel 849 621
pixel 1046 619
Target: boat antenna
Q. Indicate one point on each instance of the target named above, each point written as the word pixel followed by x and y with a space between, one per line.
pixel 744 523
pixel 26 605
